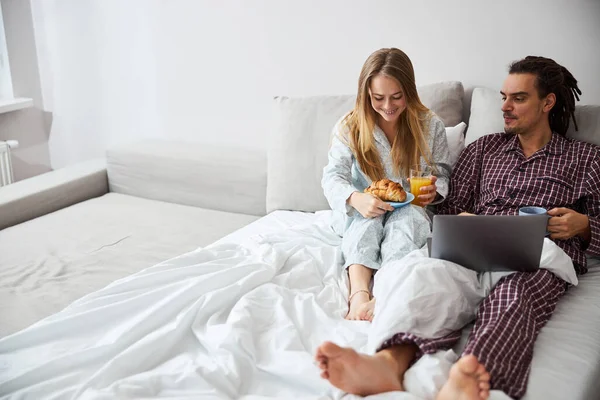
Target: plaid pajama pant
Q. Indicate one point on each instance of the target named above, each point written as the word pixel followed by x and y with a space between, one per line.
pixel 507 324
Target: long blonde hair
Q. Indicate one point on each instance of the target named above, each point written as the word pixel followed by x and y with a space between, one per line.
pixel 412 127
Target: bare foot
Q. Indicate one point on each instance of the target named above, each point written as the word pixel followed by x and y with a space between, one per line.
pixel 359 306
pixel 468 381
pixel 366 311
pixel 358 373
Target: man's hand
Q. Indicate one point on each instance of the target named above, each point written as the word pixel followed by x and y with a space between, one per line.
pixel 565 223
pixel 368 205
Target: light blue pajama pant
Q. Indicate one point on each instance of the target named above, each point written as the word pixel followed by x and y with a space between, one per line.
pixel 374 242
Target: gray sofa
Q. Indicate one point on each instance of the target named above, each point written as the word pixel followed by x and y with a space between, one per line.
pixel 75 230
pixel 72 231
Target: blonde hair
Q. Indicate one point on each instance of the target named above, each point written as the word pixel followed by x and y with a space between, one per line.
pixel 412 126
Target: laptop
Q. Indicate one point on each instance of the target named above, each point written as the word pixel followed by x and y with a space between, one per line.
pixel 490 242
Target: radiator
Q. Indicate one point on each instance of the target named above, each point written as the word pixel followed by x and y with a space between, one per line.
pixel 6 171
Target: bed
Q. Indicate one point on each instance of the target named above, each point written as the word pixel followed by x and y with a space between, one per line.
pixel 241 318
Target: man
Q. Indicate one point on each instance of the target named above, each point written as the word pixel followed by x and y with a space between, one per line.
pixel 530 164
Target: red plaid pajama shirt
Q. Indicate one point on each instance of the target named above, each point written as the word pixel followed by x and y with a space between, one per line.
pixel 493 176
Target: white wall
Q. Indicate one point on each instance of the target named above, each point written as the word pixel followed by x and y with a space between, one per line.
pixel 116 71
pixel 31 126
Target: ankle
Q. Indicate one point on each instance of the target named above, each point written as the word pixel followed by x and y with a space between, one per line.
pixel 390 359
pixel 399 357
pixel 362 295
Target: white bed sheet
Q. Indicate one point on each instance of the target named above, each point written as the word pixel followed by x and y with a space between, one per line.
pixel 272 222
pixel 147 354
pixel 566 363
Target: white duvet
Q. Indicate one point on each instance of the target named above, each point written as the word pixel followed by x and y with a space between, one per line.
pixel 241 321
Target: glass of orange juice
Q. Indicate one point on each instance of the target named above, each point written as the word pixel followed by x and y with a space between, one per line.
pixel 419 176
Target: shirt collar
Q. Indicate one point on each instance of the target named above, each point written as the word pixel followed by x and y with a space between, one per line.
pixel 555 146
pixel 381 138
pixel 512 144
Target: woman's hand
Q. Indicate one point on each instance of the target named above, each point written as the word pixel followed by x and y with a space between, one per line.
pixel 368 205
pixel 427 193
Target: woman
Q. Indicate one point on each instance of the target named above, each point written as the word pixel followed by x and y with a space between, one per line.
pixel 388 131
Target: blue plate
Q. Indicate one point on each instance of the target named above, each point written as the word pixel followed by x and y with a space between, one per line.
pixel 409 197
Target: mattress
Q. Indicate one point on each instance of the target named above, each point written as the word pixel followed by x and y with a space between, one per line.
pixel 50 261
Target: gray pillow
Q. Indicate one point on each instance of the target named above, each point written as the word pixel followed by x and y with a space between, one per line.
pixel 190 173
pixel 299 142
pixel 445 99
pixel 588 123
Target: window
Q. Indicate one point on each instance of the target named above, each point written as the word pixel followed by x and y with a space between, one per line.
pixel 6 90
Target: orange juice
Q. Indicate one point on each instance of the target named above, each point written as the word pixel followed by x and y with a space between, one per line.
pixel 416 183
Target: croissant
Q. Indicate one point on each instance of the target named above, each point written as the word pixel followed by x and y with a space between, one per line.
pixel 387 190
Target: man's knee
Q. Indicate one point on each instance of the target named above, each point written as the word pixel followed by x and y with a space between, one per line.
pixel 528 289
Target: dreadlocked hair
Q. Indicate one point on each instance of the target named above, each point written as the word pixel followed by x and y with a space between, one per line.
pixel 552 78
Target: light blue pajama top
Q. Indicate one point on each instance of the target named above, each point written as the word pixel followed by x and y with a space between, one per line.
pixel 342 175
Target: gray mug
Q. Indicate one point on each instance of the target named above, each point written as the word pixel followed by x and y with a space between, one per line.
pixel 534 211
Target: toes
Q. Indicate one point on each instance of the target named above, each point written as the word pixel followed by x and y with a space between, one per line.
pixel 369 315
pixel 484 385
pixel 321 359
pixel 319 354
pixel 330 349
pixel 485 377
pixel 352 316
pixel 468 364
pixel 325 375
pixel 484 394
pixel 480 370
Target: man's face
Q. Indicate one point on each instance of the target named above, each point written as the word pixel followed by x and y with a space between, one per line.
pixel 522 108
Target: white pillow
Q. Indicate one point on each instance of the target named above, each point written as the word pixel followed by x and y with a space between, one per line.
pixel 486 115
pixel 456 141
pixel 297 150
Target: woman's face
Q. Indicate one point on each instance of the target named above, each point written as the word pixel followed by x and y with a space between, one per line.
pixel 387 97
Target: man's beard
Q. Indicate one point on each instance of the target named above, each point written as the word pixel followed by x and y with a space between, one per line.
pixel 512 131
